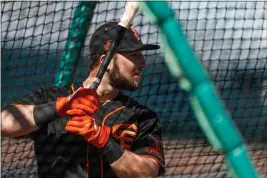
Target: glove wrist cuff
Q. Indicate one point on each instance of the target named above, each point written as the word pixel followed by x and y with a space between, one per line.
pixel 44 113
pixel 112 151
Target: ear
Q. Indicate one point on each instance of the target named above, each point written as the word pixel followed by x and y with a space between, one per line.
pixel 102 58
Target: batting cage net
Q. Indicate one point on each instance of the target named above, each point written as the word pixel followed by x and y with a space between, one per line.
pixel 229 38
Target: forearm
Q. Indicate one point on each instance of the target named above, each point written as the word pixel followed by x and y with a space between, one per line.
pixel 131 165
pixel 17 120
pixel 124 163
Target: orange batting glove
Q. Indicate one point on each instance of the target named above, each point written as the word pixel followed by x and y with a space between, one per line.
pixel 87 127
pixel 82 102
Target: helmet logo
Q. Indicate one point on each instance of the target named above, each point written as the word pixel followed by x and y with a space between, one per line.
pixel 106 45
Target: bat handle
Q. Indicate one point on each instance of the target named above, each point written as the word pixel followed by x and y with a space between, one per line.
pixel 95 83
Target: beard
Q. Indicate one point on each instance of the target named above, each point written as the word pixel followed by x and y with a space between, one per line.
pixel 118 80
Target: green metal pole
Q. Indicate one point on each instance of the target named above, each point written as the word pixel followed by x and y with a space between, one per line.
pixel 77 33
pixel 208 108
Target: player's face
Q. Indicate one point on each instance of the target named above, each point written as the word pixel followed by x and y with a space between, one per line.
pixel 126 70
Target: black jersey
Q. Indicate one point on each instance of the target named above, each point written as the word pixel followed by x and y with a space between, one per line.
pixel 63 154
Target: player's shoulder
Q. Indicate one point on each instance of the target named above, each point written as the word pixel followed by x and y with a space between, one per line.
pixel 49 93
pixel 141 109
pixel 53 89
pixel 41 94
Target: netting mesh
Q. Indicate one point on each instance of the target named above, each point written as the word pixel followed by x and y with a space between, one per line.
pixel 229 38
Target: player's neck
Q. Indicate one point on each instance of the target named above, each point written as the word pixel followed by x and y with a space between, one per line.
pixel 104 90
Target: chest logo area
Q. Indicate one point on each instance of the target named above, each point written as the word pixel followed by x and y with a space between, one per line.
pixel 125 134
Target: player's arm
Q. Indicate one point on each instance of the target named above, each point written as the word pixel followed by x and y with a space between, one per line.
pixel 33 111
pixel 147 158
pixel 132 165
pixel 17 120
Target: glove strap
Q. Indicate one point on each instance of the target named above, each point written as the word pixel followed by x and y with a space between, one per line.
pixel 61 106
pixel 100 138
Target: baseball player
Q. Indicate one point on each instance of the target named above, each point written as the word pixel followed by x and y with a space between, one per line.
pixel 80 132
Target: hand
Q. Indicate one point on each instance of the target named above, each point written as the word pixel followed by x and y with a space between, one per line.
pixel 82 102
pixel 87 127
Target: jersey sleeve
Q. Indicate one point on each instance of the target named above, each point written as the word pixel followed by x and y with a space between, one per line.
pixel 148 142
